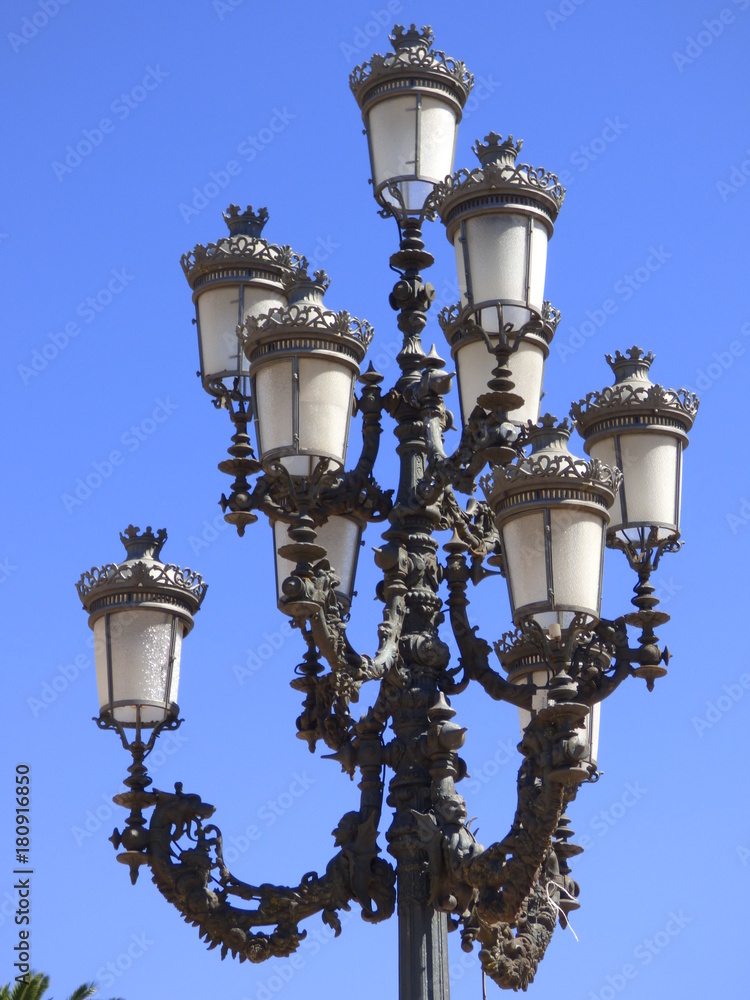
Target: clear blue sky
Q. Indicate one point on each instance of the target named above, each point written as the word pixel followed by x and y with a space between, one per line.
pixel 642 109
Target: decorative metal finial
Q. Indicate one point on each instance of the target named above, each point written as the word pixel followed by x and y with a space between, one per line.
pixel 145 545
pixel 496 150
pixel 247 223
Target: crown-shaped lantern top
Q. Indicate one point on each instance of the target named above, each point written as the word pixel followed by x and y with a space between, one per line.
pixel 143 545
pixel 307 312
pixel 496 150
pixel 499 175
pixel 412 63
pixel 243 247
pixel 551 466
pixel 142 579
pixel 634 397
pixel 247 223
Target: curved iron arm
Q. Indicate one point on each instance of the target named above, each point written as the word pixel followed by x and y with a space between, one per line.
pixel 474 650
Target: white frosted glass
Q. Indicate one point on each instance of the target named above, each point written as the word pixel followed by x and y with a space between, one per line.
pixel 300 465
pixel 474 365
pixel 497 257
pixel 541 679
pixel 339 536
pixel 604 450
pixel 325 406
pixel 458 246
pixel 592 725
pixel 523 547
pixel 577 546
pixel 437 134
pixel 547 618
pixel 219 314
pixel 649 494
pixel 650 471
pixel 526 365
pixel 538 268
pixel 392 135
pixel 273 406
pixel 140 646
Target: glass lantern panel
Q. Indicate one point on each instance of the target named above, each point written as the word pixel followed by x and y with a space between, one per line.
pixel 395 126
pixel 392 135
pixel 437 134
pixel 651 469
pixel 140 650
pixel 474 365
pixel 577 538
pixel 218 317
pixel 273 406
pixel 649 494
pixel 538 265
pixel 340 536
pixel 604 450
pixel 527 371
pixel 541 679
pixel 496 257
pixel 300 465
pixel 220 311
pixel 592 726
pixel 325 406
pixel 523 546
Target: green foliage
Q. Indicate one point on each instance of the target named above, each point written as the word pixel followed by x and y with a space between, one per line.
pixel 37 985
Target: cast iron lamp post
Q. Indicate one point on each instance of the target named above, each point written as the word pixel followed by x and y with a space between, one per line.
pixel 273 352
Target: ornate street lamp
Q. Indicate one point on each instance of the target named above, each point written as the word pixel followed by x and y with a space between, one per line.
pixel 544 524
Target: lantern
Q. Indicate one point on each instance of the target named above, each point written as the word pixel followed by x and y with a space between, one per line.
pixel 525 663
pixel 304 360
pixel 474 362
pixel 641 429
pixel 341 537
pixel 499 218
pixel 411 102
pixel 140 610
pixel 551 510
pixel 237 277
